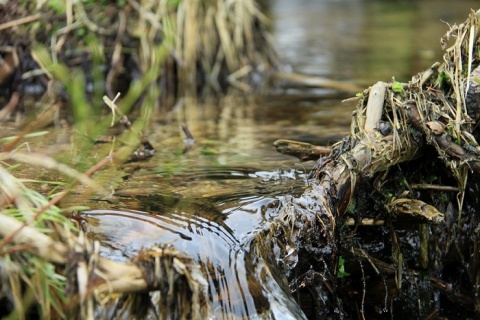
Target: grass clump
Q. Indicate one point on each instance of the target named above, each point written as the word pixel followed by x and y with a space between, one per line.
pixel 31 285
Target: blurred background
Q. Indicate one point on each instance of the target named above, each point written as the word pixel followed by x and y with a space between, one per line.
pixel 364 40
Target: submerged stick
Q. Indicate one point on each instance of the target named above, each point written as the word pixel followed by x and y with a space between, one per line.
pixel 297 79
pixel 302 150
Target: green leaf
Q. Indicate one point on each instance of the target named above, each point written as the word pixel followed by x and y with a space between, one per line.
pixel 397 87
pixel 208 151
pixel 28 135
pixel 58 6
pixel 341 268
pixel 351 208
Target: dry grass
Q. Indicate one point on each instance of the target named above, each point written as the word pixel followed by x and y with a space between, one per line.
pixel 30 282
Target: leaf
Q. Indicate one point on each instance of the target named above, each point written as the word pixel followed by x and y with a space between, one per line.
pixel 208 151
pixel 341 268
pixel 397 87
pixel 351 208
pixel 28 135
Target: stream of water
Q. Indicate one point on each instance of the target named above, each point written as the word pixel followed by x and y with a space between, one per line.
pixel 208 200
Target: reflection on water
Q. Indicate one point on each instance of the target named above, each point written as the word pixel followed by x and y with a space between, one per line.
pixel 364 40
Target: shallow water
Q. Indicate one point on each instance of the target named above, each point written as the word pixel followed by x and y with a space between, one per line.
pixel 228 184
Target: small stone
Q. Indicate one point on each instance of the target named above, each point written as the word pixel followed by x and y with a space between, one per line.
pixel 384 127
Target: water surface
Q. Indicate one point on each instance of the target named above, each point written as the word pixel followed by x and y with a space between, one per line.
pixel 207 199
pixel 364 40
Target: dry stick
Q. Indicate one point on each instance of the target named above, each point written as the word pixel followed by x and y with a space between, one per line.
pixel 426 186
pixel 471 43
pixel 302 150
pixel 376 98
pixel 311 81
pixel 428 73
pixel 10 106
pixel 364 153
pixel 119 277
pixel 20 21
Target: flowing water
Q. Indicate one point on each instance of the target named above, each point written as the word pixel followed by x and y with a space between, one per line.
pixel 209 198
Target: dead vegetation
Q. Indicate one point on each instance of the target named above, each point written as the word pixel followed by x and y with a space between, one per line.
pixel 409 169
pixel 209 45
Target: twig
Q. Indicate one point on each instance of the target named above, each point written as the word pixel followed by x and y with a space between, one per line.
pixel 302 150
pixel 20 21
pixel 10 106
pixel 426 186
